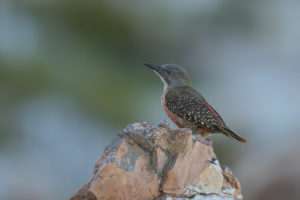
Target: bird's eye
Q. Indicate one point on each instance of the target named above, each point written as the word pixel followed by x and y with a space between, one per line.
pixel 171 73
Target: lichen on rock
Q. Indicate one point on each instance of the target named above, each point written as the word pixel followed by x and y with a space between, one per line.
pixel 155 162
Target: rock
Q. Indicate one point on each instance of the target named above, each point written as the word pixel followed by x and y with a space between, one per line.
pixel 154 162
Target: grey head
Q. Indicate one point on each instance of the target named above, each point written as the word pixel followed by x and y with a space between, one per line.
pixel 172 75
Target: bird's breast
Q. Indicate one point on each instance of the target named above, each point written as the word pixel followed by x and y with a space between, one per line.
pixel 177 120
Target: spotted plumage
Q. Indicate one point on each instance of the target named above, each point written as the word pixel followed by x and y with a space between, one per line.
pixel 186 107
pixel 189 105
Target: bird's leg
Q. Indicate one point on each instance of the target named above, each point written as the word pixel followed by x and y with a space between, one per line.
pixel 164 123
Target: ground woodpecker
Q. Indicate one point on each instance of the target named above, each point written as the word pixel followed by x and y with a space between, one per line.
pixel 185 106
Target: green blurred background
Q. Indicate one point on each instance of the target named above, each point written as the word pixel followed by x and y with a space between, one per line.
pixel 72 77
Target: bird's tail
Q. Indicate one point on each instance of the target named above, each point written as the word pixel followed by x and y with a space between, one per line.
pixel 231 134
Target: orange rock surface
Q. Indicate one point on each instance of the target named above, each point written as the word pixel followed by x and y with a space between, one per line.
pixel 154 162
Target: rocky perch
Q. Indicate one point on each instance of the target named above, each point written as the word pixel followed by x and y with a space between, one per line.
pixel 154 162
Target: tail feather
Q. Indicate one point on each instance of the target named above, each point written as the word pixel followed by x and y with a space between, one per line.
pixel 231 134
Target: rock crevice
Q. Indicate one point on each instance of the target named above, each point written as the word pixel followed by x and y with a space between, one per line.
pixel 154 162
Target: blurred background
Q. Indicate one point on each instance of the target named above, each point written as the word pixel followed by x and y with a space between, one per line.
pixel 72 77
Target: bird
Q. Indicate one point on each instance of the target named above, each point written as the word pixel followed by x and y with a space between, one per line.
pixel 186 107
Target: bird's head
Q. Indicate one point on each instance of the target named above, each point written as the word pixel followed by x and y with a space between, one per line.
pixel 172 75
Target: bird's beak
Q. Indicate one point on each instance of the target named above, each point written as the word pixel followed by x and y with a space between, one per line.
pixel 160 72
pixel 156 68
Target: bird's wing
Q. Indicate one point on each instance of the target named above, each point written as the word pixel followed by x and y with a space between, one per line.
pixel 188 104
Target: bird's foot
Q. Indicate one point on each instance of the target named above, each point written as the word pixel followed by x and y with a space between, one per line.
pixel 164 123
